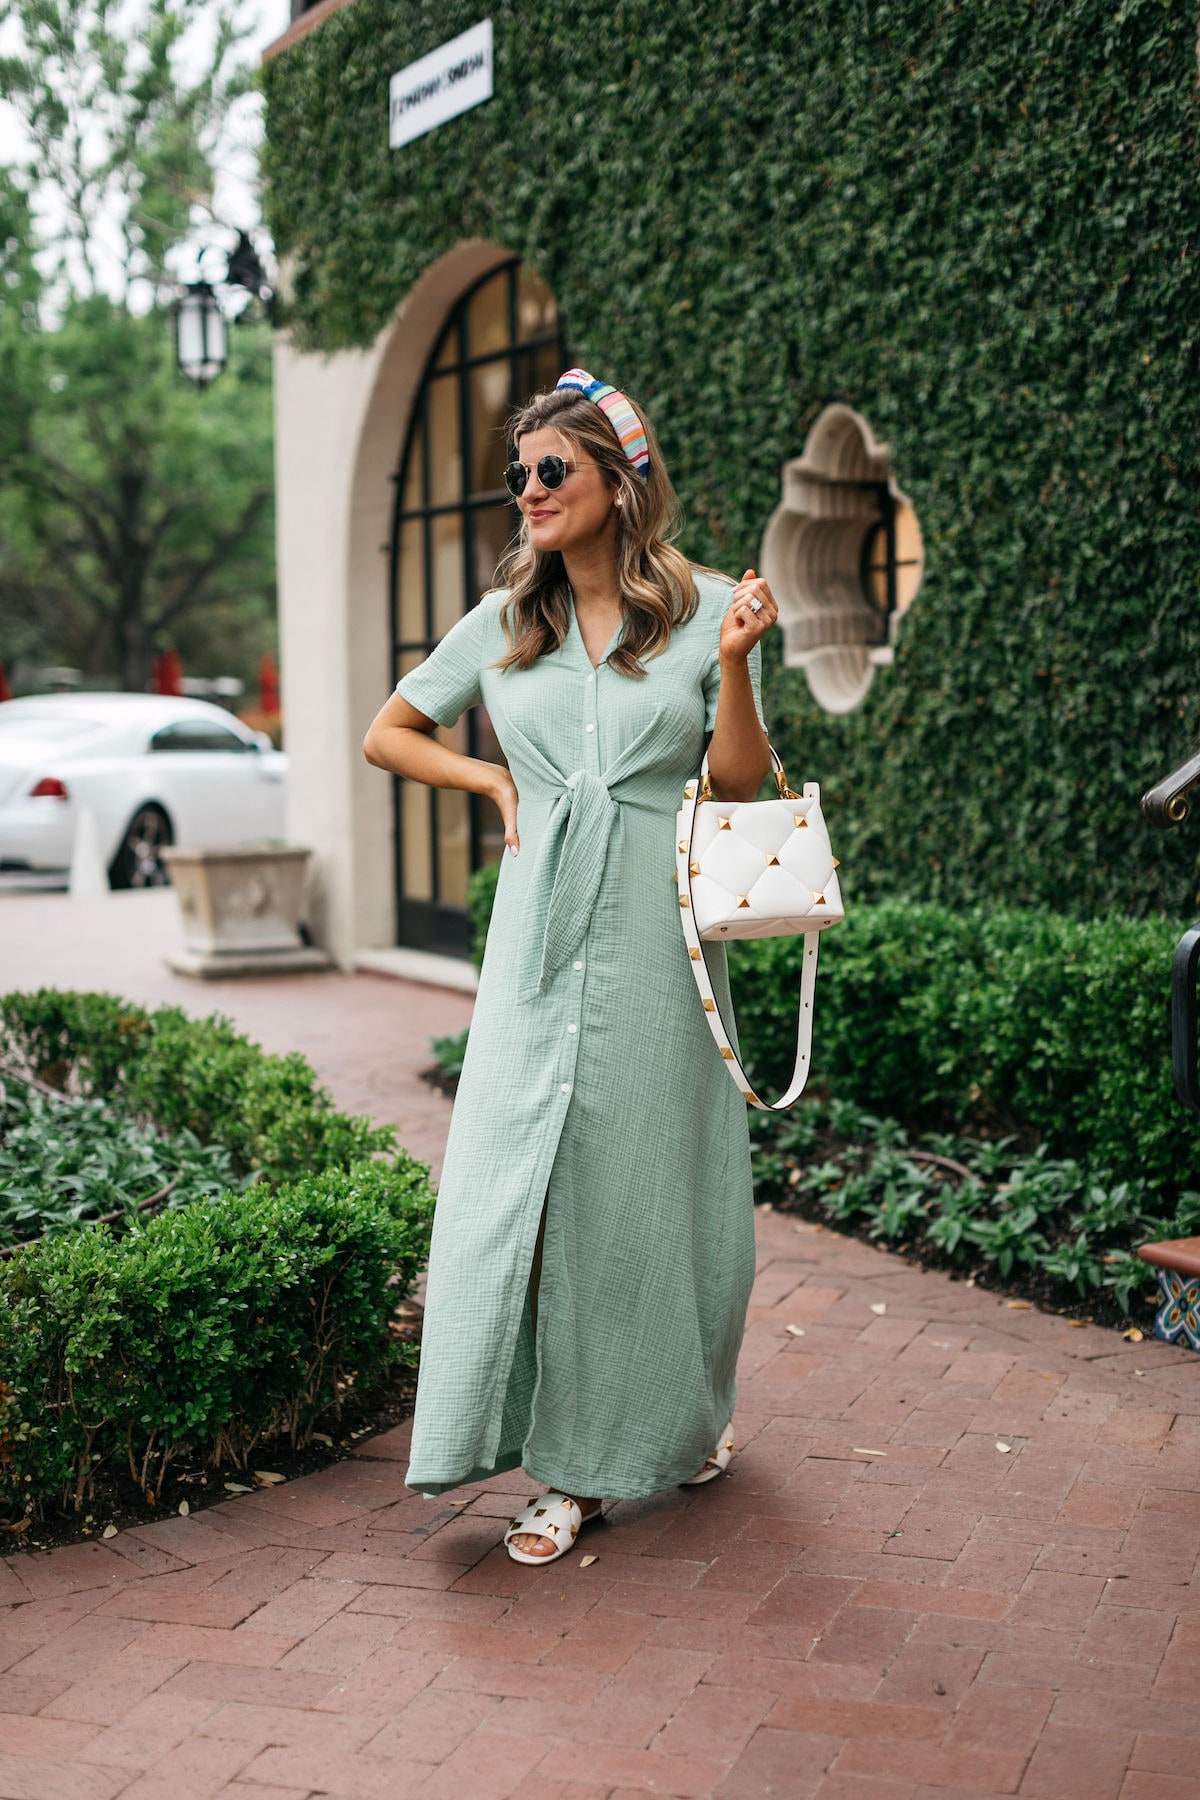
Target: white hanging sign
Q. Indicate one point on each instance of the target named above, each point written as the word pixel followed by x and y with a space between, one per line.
pixel 449 81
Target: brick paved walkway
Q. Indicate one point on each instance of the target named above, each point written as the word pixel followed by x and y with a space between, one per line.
pixel 878 1603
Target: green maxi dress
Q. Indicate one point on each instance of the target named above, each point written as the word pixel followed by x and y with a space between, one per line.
pixel 591 1084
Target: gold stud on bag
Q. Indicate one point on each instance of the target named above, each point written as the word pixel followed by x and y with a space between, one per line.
pixel 753 869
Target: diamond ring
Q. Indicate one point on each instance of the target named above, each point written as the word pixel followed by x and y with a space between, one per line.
pixel 756 606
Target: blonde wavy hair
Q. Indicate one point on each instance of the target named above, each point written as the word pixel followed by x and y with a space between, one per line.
pixel 655 580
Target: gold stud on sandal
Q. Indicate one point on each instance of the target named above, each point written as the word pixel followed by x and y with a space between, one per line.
pixel 550 1516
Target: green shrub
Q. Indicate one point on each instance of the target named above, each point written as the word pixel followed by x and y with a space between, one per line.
pixel 214 1328
pixel 281 1121
pixel 87 1041
pixel 880 975
pixel 448 1054
pixel 1025 1022
pixel 1056 1029
pixel 198 1075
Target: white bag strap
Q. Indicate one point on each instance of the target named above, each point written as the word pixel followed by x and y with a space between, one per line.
pixel 692 794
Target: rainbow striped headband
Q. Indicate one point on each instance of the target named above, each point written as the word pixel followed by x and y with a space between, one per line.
pixel 630 431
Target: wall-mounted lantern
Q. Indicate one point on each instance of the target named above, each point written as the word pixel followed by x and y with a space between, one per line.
pixel 201 343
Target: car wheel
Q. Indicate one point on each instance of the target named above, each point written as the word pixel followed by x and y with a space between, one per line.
pixel 139 862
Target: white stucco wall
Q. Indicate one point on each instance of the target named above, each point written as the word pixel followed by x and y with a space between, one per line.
pixel 340 424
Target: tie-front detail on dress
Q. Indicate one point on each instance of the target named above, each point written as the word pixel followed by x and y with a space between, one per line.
pixel 592 1089
pixel 573 855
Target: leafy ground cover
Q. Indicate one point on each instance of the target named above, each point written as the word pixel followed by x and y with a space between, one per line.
pixel 1050 1229
pixel 66 1162
pixel 448 1054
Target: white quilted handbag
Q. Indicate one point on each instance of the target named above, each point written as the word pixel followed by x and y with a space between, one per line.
pixel 752 869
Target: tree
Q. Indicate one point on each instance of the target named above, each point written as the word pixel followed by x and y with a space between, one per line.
pixel 134 502
pixel 19 291
pixel 132 510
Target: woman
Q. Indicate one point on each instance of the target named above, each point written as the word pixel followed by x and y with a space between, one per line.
pixel 593 1248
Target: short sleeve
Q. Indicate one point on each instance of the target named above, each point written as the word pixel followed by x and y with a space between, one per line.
pixel 712 688
pixel 447 682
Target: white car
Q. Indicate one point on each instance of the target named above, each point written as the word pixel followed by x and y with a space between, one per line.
pixel 152 770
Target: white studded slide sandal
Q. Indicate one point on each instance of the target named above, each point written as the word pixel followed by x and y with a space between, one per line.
pixel 554 1516
pixel 717 1463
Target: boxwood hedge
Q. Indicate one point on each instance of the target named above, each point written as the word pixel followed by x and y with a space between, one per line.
pixel 1054 1029
pixel 239 1317
pixel 201 1075
pixel 213 1328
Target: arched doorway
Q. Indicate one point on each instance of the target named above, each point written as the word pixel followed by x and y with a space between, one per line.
pixel 451 521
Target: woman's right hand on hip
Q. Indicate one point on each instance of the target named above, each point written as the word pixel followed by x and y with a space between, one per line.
pixel 504 793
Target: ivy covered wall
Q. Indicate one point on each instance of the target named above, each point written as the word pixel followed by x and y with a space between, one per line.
pixel 977 222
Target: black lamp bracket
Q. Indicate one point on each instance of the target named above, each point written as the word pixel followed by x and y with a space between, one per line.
pixel 1166 803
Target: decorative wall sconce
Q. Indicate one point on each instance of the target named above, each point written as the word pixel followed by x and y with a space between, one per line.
pixel 843 555
pixel 200 318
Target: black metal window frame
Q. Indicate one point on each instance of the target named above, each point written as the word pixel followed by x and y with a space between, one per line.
pixel 873 561
pixel 436 924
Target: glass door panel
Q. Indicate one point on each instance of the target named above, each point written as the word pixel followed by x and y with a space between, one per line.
pixel 488 316
pixel 452 523
pixel 490 409
pixel 416 806
pixel 454 847
pixel 537 313
pixel 413 482
pixel 495 527
pixel 547 367
pixel 490 826
pixel 447 549
pixel 445 458
pixel 411 572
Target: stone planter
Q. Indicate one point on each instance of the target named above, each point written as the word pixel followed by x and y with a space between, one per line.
pixel 241 911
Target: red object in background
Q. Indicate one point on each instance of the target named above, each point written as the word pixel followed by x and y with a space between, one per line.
pixel 268 684
pixel 5 690
pixel 168 674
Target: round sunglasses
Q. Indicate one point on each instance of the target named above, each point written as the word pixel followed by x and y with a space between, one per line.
pixel 552 471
